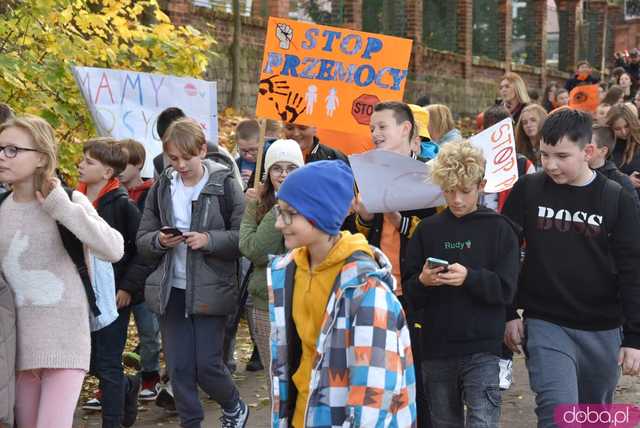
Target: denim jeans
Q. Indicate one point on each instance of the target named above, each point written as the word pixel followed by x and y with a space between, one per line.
pixel 193 348
pixel 569 366
pixel 107 346
pixel 450 384
pixel 149 334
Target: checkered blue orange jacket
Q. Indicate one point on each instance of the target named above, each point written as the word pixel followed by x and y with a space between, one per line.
pixel 363 373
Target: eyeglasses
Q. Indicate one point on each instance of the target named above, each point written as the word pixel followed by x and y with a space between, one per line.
pixel 12 151
pixel 287 216
pixel 278 170
pixel 247 152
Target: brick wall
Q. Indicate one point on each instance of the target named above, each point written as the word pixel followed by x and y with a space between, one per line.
pixel 466 83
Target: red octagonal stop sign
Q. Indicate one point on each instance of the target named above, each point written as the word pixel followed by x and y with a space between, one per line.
pixel 362 108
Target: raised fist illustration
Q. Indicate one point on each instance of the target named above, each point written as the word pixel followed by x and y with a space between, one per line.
pixel 284 33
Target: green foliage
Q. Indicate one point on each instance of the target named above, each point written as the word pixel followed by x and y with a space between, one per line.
pixel 41 39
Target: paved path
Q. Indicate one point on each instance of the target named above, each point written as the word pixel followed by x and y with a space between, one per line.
pixel 517 408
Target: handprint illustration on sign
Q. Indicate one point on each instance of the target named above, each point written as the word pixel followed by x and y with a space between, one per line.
pixel 271 86
pixel 292 109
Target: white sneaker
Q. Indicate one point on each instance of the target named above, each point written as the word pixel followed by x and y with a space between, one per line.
pixel 506 373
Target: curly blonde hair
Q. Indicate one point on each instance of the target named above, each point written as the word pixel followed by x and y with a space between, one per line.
pixel 458 165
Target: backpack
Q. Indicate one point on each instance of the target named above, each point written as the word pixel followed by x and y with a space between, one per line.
pixel 609 197
pixel 75 249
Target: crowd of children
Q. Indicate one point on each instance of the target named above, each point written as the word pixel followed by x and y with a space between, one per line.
pixel 397 319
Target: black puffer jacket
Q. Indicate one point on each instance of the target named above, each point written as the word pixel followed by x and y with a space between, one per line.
pixel 121 213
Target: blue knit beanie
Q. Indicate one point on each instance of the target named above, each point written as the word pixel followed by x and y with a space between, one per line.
pixel 321 192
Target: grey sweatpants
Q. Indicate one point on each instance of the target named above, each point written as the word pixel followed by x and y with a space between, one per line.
pixel 568 366
pixel 193 348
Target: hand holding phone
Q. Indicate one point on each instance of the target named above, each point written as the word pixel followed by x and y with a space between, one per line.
pixel 433 263
pixel 170 237
pixel 172 231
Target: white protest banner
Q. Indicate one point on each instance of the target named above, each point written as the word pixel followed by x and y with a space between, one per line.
pixel 499 148
pixel 390 182
pixel 126 104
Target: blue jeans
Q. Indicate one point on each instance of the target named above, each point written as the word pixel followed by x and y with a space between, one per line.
pixel 107 346
pixel 452 383
pixel 149 334
pixel 569 366
pixel 193 349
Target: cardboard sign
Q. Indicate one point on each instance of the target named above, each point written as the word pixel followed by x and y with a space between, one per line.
pixel 498 145
pixel 329 77
pixel 388 182
pixel 126 104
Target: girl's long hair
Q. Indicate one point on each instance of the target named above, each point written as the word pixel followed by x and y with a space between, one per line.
pixel 524 145
pixel 519 86
pixel 622 111
pixel 266 197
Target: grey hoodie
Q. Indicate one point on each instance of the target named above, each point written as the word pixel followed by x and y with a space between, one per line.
pixel 212 271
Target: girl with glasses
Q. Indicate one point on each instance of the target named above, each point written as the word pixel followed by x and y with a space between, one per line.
pixel 259 237
pixel 50 302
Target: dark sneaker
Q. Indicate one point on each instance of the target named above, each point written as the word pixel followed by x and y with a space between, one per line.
pixel 237 419
pixel 254 364
pixel 149 389
pixel 165 397
pixel 94 404
pixel 131 401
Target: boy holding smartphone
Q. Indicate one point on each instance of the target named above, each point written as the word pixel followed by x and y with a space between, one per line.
pixel 464 317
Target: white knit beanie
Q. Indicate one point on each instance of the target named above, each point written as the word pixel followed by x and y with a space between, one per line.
pixel 283 151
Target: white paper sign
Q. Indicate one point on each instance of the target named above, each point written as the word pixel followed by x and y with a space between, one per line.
pixel 499 148
pixel 389 182
pixel 126 104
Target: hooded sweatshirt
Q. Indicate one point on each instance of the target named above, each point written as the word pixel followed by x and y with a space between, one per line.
pixel 310 297
pixel 347 358
pixel 468 319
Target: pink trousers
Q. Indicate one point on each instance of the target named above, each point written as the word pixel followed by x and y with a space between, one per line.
pixel 47 398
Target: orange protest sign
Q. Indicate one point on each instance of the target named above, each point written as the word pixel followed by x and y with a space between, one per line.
pixel 585 98
pixel 329 77
pixel 348 144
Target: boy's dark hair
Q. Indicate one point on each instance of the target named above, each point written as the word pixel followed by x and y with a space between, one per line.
pixel 136 154
pixel 423 101
pixel 582 62
pixel 401 112
pixel 6 113
pixel 248 130
pixel 566 122
pixel 603 136
pixel 495 114
pixel 533 94
pixel 108 152
pixel 166 118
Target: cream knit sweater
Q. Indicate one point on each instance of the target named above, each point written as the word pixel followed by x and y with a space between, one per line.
pixel 52 312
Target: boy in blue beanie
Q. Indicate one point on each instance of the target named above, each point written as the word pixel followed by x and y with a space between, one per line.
pixel 341 352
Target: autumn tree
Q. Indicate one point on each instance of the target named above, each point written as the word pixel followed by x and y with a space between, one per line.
pixel 40 40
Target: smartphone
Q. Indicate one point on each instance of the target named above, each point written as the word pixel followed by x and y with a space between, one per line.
pixel 635 173
pixel 433 263
pixel 171 231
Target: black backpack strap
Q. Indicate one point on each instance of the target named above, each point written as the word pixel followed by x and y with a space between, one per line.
pixel 3 196
pixel 75 248
pixel 610 200
pixel 226 203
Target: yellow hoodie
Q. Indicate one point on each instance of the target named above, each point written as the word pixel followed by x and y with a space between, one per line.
pixel 311 293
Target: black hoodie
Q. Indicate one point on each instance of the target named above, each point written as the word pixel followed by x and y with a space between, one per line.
pixel 468 319
pixel 121 213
